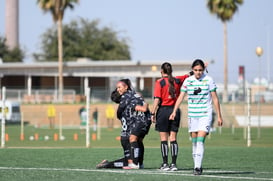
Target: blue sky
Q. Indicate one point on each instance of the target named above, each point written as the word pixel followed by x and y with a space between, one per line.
pixel 176 30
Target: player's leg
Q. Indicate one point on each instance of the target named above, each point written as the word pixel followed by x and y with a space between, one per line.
pixel 125 143
pixel 173 139
pixel 119 163
pixel 203 130
pixel 194 145
pixel 162 126
pixel 141 153
pixel 134 151
pixel 193 124
pixel 200 147
pixel 133 161
pixel 174 150
pixel 164 150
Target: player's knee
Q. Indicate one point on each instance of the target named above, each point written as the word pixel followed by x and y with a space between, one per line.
pixel 133 138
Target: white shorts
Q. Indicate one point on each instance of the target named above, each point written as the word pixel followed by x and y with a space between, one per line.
pixel 199 124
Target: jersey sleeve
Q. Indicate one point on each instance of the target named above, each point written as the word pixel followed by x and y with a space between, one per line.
pixel 183 77
pixel 157 89
pixel 212 85
pixel 184 87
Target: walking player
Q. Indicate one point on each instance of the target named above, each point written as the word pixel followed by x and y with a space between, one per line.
pixel 201 91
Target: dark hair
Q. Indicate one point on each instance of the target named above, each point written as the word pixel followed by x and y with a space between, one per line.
pixel 127 82
pixel 167 69
pixel 115 96
pixel 198 62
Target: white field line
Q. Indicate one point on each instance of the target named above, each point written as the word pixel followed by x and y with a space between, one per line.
pixel 151 172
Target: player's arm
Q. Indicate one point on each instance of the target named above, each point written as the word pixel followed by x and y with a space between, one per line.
pixel 154 108
pixel 217 107
pixel 143 108
pixel 177 104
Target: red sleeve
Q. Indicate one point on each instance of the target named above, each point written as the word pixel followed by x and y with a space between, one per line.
pixel 182 78
pixel 157 89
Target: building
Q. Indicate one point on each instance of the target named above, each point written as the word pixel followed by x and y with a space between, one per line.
pixel 38 82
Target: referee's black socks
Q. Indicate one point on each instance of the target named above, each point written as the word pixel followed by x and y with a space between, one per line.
pixel 174 151
pixel 164 151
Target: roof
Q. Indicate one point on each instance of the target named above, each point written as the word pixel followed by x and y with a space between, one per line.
pixel 93 68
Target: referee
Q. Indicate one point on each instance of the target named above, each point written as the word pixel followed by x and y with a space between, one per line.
pixel 166 91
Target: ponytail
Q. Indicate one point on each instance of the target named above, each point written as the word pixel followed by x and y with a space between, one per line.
pixel 167 69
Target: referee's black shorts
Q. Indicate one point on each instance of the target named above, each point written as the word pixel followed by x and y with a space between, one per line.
pixel 163 124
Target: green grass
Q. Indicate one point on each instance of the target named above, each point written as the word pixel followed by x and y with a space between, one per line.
pixel 108 138
pixel 225 163
pixel 226 157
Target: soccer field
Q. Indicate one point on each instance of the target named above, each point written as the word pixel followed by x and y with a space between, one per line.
pixel 226 157
pixel 220 163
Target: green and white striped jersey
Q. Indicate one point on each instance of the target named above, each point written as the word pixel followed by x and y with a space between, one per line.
pixel 199 97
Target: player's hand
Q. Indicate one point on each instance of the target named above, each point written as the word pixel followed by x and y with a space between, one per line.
pixel 153 119
pixel 220 122
pixel 172 116
pixel 146 106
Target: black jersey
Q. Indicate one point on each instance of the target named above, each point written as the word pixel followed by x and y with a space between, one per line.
pixel 130 118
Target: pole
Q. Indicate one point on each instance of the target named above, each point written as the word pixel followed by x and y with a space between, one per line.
pixel 153 87
pixel 154 69
pixel 87 117
pixel 249 118
pixel 233 124
pixel 22 127
pixel 245 122
pixel 259 52
pixel 259 103
pixel 61 126
pixel 268 54
pixel 225 92
pixel 3 117
pixel 99 127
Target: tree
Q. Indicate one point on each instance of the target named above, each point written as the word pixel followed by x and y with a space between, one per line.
pixel 84 38
pixel 57 9
pixel 7 55
pixel 224 10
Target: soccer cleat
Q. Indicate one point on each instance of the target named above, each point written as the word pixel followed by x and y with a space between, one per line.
pixel 173 167
pixel 131 166
pixel 102 164
pixel 198 171
pixel 141 166
pixel 164 167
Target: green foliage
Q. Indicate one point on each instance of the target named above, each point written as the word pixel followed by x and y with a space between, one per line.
pixel 84 38
pixel 14 55
pixel 56 7
pixel 224 9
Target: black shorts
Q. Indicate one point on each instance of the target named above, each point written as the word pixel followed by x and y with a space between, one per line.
pixel 163 124
pixel 140 130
